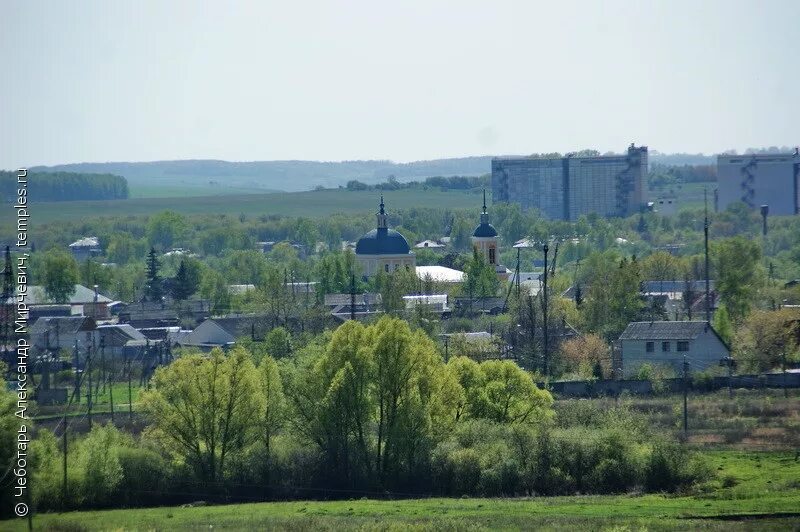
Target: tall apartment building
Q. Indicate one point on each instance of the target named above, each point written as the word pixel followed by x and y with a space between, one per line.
pixel 565 188
pixel 757 180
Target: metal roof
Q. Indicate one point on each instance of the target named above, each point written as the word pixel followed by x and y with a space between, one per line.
pixel 665 330
pixel 382 242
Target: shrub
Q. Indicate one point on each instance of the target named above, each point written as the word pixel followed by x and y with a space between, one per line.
pixel 671 467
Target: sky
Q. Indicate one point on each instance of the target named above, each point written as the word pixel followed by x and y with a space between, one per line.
pixel 419 79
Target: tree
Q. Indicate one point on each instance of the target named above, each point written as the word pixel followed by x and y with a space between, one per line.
pixel 481 279
pixel 60 275
pixel 214 288
pixel 509 395
pixel 737 264
pixel 186 282
pixel 722 324
pixel 122 248
pixel 278 342
pixel 153 290
pixel 393 286
pixel 369 401
pixel 203 409
pixel 585 354
pixel 275 402
pixel 461 234
pixel 765 337
pixel 165 229
pixel 613 300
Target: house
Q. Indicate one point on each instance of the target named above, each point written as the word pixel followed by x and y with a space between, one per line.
pixel 63 332
pixel 224 331
pixel 671 295
pixel 367 305
pixel 478 346
pixel 439 274
pixel 81 302
pixel 434 303
pixel 429 244
pixel 665 343
pixel 149 314
pixel 85 248
pixel 120 340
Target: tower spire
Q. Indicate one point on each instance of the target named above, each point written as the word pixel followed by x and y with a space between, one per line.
pixel 382 226
pixel 485 213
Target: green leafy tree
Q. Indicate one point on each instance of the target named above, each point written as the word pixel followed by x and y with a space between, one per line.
pixel 481 279
pixel 123 248
pixel 722 324
pixel 613 300
pixel 461 233
pixel 60 275
pixel 278 342
pixel 166 229
pixel 738 271
pixel 509 395
pixel 214 288
pixel 203 409
pixel 275 410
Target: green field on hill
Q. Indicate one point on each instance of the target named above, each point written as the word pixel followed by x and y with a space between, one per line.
pixel 751 490
pixel 316 203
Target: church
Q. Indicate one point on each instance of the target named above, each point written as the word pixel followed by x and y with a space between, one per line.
pixel 383 249
pixel 484 239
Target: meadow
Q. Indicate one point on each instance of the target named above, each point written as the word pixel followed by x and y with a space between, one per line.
pixel 315 204
pixel 749 441
pixel 752 490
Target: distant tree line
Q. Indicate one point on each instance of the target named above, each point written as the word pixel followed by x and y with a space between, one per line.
pixel 661 175
pixel 65 186
pixel 441 182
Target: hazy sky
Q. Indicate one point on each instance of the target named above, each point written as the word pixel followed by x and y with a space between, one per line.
pixel 135 81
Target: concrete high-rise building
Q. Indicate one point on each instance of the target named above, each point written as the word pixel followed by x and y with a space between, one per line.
pixel 565 188
pixel 755 180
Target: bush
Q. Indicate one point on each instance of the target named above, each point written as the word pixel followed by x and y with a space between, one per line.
pixel 671 467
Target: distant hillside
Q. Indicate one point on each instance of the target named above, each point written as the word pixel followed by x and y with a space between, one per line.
pixel 204 177
pixel 290 176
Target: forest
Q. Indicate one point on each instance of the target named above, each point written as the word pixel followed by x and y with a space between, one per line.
pixel 65 186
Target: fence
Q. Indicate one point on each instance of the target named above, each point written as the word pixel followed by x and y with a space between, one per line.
pixel 638 387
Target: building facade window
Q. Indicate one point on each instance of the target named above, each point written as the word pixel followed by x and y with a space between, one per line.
pixel 491 255
pixel 665 347
pixel 386 267
pixel 649 347
pixel 683 347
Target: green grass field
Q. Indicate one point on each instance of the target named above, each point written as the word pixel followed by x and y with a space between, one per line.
pixel 311 203
pixel 148 190
pixel 751 491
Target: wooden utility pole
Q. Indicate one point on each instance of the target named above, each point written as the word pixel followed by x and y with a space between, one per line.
pixel 89 391
pixel 130 394
pixel 110 384
pixel 705 237
pixel 685 397
pixel 545 324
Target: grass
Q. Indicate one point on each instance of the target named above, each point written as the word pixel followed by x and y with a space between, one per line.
pixel 752 419
pixel 315 204
pixel 752 489
pixel 100 402
pixel 180 190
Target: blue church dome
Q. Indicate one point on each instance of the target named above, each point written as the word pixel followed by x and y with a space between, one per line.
pixel 485 229
pixel 382 241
